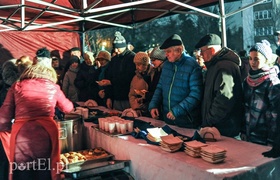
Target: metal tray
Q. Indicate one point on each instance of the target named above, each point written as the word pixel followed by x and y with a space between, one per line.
pixel 89 161
pixel 111 134
pixel 95 168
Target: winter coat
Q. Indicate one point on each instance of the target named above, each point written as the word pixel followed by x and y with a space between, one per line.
pixel 222 105
pixel 9 74
pixel 101 75
pixel 86 82
pixel 68 86
pixel 262 96
pixel 120 72
pixel 180 91
pixel 141 82
pixel 31 102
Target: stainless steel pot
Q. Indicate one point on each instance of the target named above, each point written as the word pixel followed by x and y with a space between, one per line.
pixel 70 133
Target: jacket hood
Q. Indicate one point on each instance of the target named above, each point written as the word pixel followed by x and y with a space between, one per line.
pixel 225 54
pixel 38 71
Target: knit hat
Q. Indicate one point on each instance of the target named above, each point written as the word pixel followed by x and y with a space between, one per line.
pixel 43 52
pixel 103 54
pixel 74 59
pixel 263 48
pixel 44 57
pixel 278 51
pixel 208 40
pixel 119 40
pixel 174 40
pixel 141 57
pixel 158 54
pixel 75 49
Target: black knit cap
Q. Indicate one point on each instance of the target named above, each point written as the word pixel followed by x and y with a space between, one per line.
pixel 208 40
pixel 75 49
pixel 74 59
pixel 43 52
pixel 174 40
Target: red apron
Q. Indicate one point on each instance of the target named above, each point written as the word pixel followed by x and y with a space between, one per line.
pixel 51 127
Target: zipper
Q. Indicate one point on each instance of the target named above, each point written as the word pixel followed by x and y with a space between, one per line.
pixel 170 88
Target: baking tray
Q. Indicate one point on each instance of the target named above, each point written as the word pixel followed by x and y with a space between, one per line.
pixel 95 168
pixel 89 161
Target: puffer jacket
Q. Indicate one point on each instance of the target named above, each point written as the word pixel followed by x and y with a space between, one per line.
pixel 262 96
pixel 120 72
pixel 222 105
pixel 35 96
pixel 180 90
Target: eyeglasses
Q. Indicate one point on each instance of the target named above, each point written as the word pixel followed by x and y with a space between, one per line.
pixel 203 51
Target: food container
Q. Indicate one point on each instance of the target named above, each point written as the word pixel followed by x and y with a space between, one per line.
pixel 70 133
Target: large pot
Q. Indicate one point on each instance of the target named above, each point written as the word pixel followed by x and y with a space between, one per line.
pixel 70 133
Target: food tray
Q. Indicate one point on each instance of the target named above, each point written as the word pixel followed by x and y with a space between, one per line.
pixel 94 157
pixel 95 168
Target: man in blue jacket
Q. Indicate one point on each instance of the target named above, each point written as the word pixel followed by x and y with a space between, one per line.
pixel 179 88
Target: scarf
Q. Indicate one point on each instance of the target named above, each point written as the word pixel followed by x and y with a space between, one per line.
pixel 257 77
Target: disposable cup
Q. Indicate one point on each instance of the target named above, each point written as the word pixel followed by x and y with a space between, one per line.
pixel 85 113
pixel 112 127
pixel 129 125
pixel 123 127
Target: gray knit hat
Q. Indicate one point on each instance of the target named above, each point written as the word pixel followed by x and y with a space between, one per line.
pixel 119 40
pixel 264 48
pixel 158 54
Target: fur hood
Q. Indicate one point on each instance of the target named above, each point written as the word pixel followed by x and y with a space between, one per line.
pixel 39 71
pixel 10 72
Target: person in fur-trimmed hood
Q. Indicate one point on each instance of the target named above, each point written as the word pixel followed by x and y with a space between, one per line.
pixel 31 102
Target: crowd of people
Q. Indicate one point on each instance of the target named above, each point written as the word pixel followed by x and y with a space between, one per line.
pixel 216 87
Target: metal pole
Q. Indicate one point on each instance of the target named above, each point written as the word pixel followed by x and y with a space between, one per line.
pixel 223 23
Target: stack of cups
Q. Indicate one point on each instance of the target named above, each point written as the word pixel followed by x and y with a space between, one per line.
pixel 82 111
pixel 115 124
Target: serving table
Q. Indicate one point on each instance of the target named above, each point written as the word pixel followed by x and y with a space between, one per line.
pixel 244 160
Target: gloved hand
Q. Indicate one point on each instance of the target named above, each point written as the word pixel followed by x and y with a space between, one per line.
pixel 273 153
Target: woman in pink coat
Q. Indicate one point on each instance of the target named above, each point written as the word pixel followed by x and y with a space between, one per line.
pixel 31 101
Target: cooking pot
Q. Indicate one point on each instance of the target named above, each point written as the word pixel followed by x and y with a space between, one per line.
pixel 70 133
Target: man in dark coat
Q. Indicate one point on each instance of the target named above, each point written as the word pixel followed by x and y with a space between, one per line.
pixel 119 74
pixel 222 105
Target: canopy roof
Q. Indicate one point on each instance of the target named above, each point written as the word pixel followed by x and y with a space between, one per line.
pixel 85 15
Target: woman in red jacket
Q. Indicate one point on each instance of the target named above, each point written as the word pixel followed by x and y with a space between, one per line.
pixel 31 101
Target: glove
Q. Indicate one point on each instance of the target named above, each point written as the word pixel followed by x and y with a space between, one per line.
pixel 273 153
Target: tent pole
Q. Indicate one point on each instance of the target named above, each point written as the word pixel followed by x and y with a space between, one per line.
pixel 223 23
pixel 22 13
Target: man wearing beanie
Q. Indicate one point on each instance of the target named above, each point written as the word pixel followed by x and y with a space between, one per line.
pixel 140 94
pixel 179 88
pixel 222 100
pixel 119 75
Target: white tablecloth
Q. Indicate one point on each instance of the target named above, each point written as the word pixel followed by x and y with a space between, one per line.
pixel 149 162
